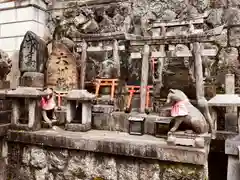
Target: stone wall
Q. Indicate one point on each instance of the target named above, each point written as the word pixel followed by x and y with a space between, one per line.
pixel 16 18
pixel 64 155
pixel 44 163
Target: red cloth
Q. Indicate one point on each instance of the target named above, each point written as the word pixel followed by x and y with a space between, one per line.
pixel 179 109
pixel 47 104
pixel 43 102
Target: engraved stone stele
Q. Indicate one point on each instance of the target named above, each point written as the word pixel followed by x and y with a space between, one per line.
pixel 26 115
pixel 5 68
pixel 79 110
pixel 62 73
pixel 33 56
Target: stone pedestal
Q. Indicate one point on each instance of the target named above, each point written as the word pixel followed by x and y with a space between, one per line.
pixel 32 97
pixel 188 139
pixel 232 150
pixel 76 121
pixel 32 79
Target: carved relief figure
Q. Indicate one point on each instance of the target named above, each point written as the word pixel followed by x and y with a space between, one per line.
pixel 5 65
pixel 185 115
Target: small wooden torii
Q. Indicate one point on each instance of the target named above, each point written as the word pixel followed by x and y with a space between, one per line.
pixel 193 38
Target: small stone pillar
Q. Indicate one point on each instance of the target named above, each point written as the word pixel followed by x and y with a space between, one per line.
pixel 31 98
pixel 79 110
pixel 232 150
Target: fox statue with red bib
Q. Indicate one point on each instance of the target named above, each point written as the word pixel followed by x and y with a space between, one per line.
pixel 185 115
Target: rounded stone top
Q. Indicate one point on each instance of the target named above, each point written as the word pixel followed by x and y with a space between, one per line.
pixel 80 95
pixel 26 92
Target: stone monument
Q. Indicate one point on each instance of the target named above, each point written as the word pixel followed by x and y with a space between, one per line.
pixel 33 56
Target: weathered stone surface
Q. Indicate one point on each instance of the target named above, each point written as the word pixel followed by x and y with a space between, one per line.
pixel 231 16
pixel 32 79
pixel 218 3
pixel 222 39
pixel 168 15
pixel 21 92
pixel 127 170
pixel 33 53
pixel 173 172
pixel 233 170
pixel 57 159
pixel 112 143
pixel 60 176
pixel 50 176
pixel 25 173
pixel 233 3
pixel 228 61
pixel 41 174
pixel 215 17
pixel 201 5
pixel 38 157
pixel 228 55
pixel 62 60
pixel 231 146
pixel 80 95
pixel 87 166
pixel 78 127
pixel 234 36
pixel 99 108
pixel 149 170
pixel 26 156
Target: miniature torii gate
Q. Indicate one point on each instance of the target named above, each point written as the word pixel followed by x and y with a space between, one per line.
pixel 162 40
pixel 115 48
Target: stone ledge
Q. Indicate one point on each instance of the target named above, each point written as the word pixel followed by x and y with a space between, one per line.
pixel 112 143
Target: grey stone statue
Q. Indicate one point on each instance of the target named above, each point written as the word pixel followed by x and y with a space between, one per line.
pixel 186 115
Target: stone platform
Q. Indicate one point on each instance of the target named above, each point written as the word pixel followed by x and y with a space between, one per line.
pixel 58 154
pixel 118 143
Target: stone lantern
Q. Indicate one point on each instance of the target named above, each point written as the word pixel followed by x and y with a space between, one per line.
pixel 79 110
pixel 26 113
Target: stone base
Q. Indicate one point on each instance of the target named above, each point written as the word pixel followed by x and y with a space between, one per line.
pixel 188 139
pixel 4 84
pixel 32 79
pixel 118 121
pixel 78 127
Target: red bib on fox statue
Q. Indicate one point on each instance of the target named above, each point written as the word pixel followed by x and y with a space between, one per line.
pixel 179 109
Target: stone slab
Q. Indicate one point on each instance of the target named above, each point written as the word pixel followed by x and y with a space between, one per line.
pixel 80 95
pixel 24 92
pixel 32 79
pixel 231 145
pixel 225 100
pixel 78 127
pixel 112 143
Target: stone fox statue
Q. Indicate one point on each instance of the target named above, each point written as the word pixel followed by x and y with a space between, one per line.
pixel 185 114
pixel 48 107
